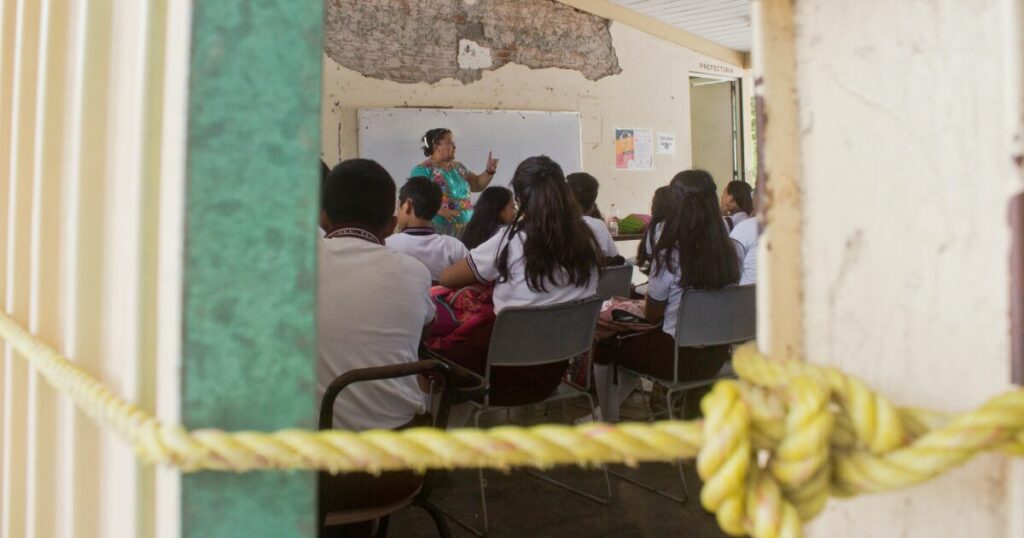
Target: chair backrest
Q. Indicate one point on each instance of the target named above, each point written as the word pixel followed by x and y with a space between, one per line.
pixel 615 280
pixel 715 317
pixel 528 336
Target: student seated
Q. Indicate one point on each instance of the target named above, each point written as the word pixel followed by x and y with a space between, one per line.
pixel 746 235
pixel 419 201
pixel 584 189
pixel 547 255
pixel 736 203
pixel 374 303
pixel 691 250
pixel 495 208
pixel 660 208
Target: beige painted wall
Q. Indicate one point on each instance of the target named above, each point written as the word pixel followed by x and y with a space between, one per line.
pixel 711 130
pixel 905 172
pixel 651 92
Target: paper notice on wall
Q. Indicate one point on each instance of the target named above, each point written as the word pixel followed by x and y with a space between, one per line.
pixel 666 144
pixel 634 149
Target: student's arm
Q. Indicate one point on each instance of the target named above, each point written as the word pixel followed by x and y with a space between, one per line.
pixel 458 275
pixel 654 310
pixel 430 316
pixel 658 289
pixel 477 266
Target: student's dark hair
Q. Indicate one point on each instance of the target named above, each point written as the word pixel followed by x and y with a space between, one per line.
pixel 432 139
pixel 694 236
pixel 558 246
pixel 661 205
pixel 359 191
pixel 584 188
pixel 742 194
pixel 424 194
pixel 324 170
pixel 485 221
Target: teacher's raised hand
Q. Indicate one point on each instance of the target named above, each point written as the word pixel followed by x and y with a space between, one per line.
pixel 492 164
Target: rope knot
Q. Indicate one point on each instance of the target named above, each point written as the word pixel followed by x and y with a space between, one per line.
pixel 787 435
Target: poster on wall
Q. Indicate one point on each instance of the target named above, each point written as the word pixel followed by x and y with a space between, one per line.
pixel 634 149
pixel 666 143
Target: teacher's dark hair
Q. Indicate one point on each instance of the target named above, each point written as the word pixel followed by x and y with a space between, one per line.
pixel 694 242
pixel 486 216
pixel 432 139
pixel 359 191
pixel 584 188
pixel 558 246
pixel 742 194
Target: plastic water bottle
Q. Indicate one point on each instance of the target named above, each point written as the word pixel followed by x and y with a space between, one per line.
pixel 613 220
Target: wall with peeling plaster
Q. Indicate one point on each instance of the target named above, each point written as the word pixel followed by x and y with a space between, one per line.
pixel 906 169
pixel 429 40
pixel 652 90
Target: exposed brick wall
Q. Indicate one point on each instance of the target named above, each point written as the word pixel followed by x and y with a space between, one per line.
pixel 428 40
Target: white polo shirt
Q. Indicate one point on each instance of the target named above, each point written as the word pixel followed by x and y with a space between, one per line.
pixel 434 250
pixel 603 236
pixel 745 234
pixel 663 286
pixel 516 292
pixel 736 218
pixel 373 304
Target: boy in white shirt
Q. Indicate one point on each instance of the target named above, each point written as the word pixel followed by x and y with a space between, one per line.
pixel 374 303
pixel 584 189
pixel 419 201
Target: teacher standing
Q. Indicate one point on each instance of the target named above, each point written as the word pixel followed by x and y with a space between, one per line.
pixel 456 180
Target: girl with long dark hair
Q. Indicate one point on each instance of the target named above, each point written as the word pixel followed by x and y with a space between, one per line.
pixel 660 208
pixel 495 208
pixel 547 255
pixel 692 249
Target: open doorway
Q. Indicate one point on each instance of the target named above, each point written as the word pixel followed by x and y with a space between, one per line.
pixel 715 130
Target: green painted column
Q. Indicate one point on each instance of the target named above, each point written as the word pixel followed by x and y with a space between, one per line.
pixel 250 259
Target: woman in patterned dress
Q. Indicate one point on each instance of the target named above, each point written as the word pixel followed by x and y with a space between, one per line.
pixel 456 180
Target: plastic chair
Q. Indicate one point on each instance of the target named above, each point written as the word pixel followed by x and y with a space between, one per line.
pixel 415 493
pixel 706 318
pixel 615 281
pixel 533 336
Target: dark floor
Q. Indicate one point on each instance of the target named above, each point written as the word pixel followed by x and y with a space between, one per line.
pixel 519 504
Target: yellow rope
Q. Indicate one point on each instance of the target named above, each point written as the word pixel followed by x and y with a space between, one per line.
pixel 772 448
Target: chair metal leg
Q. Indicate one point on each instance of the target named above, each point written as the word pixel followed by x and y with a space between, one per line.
pixel 382 526
pixel 607 481
pixel 437 516
pixel 679 464
pixel 483 496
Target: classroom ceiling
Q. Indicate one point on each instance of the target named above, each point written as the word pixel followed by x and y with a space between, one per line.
pixel 726 22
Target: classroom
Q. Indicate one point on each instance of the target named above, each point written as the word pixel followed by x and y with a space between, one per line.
pixel 511 268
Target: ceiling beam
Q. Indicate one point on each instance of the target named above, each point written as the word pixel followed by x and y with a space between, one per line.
pixel 652 26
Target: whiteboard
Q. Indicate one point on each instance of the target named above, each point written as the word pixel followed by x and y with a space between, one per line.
pixel 391 136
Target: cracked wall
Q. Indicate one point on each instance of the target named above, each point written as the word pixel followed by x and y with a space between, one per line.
pixel 905 234
pixel 430 40
pixel 650 90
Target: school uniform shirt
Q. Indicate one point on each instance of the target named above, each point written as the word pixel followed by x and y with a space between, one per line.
pixel 483 260
pixel 373 304
pixel 434 250
pixel 603 236
pixel 745 234
pixel 663 286
pixel 732 220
